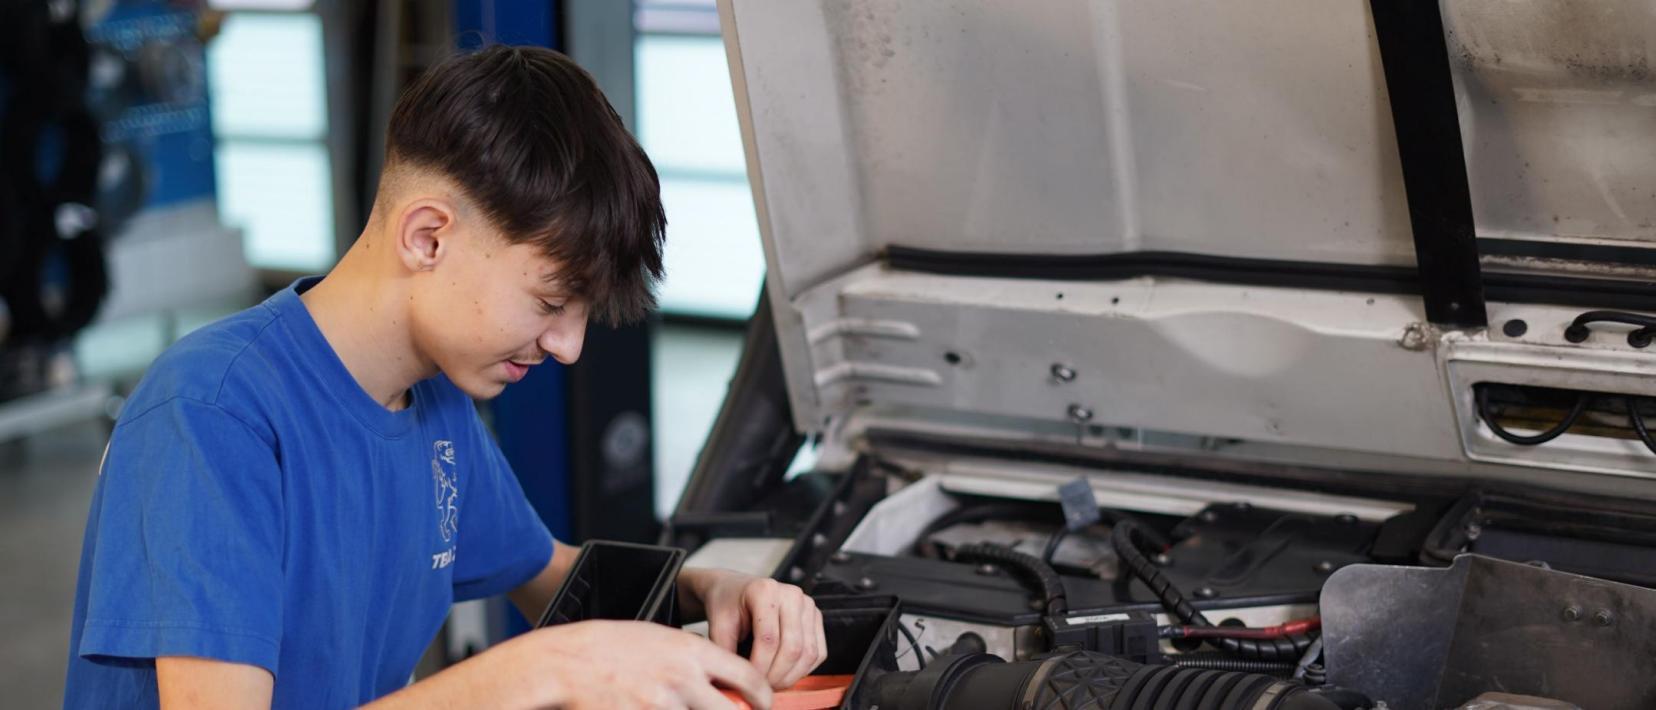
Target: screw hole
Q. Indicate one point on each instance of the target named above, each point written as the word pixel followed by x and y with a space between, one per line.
pixel 952 357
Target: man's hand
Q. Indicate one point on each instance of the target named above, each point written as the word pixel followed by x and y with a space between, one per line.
pixel 788 641
pixel 589 665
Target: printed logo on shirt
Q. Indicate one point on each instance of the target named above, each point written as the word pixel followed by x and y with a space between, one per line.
pixel 447 487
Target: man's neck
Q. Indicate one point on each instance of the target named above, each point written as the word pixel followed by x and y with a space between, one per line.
pixel 366 322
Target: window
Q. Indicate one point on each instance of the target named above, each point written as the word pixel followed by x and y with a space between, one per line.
pixel 270 117
pixel 687 123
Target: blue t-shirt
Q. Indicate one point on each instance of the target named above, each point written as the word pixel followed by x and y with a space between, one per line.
pixel 255 505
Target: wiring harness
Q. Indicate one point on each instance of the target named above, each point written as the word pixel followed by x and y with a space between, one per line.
pixel 1127 536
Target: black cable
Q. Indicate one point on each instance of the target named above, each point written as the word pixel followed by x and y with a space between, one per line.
pixel 1312 655
pixel 1052 544
pixel 1016 511
pixel 1537 439
pixel 1146 534
pixel 1125 538
pixel 919 656
pixel 1218 662
pixel 1578 331
pixel 1643 337
pixel 1639 427
pixel 1028 568
pixel 974 513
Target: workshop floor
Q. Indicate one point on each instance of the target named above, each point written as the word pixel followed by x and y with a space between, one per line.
pixel 46 483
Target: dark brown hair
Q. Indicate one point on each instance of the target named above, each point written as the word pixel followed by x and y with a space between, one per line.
pixel 529 137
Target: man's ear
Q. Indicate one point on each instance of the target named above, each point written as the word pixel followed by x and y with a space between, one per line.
pixel 423 233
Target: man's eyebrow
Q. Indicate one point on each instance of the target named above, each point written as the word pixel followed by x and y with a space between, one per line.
pixel 552 284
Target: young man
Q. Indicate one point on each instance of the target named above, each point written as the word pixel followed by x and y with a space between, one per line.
pixel 294 496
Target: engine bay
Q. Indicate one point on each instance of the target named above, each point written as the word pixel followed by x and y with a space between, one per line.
pixel 1329 600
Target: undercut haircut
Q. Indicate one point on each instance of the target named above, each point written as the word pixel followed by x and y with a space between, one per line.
pixel 529 138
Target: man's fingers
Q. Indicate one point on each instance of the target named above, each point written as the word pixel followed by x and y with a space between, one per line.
pixel 724 628
pixel 804 638
pixel 821 635
pixel 699 694
pixel 738 674
pixel 816 650
pixel 792 645
pixel 819 642
pixel 765 612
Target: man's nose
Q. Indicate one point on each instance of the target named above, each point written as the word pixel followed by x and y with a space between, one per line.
pixel 563 342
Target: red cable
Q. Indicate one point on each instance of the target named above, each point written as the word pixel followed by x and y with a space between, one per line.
pixel 1290 628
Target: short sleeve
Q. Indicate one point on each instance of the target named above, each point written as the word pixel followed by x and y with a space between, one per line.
pixel 185 541
pixel 503 542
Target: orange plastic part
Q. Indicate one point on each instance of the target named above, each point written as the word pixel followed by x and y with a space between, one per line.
pixel 815 692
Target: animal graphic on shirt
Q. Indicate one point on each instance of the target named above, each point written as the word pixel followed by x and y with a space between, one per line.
pixel 447 488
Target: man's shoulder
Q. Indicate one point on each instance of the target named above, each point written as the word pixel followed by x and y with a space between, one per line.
pixel 224 355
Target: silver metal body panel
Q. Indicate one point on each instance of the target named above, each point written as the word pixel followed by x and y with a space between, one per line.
pixel 1258 129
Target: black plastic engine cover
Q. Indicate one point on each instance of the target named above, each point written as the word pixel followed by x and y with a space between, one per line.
pixel 1226 556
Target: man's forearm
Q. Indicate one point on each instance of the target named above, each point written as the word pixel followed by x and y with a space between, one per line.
pixel 494 679
pixel 531 598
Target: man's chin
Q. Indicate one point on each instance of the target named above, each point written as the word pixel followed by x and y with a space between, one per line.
pixel 481 389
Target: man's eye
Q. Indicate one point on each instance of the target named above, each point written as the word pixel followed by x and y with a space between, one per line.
pixel 550 309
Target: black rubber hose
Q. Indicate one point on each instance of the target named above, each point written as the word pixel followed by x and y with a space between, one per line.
pixel 1028 568
pixel 1639 427
pixel 1219 662
pixel 1082 679
pixel 1125 538
pixel 1537 439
